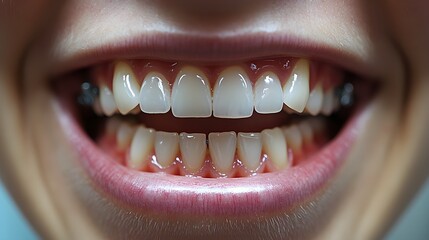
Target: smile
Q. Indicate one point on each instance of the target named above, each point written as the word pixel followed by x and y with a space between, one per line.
pixel 173 136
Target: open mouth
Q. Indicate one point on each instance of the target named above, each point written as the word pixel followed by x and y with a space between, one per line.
pixel 221 138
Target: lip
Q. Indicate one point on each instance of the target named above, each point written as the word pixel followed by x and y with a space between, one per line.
pixel 159 193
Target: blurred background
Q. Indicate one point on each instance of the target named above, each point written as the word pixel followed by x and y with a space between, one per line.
pixel 413 225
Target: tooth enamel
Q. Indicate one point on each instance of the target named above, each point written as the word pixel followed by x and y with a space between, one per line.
pixel 141 147
pixel 296 90
pixel 293 137
pixel 191 95
pixel 155 94
pixel 107 102
pixel 268 94
pixel 124 135
pixel 274 144
pixel 306 132
pixel 166 147
pixel 193 149
pixel 112 125
pixel 233 94
pixel 315 100
pixel 222 150
pixel 249 148
pixel 125 88
pixel 97 107
pixel 328 102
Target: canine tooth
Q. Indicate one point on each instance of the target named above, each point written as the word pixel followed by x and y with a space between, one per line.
pixel 233 94
pixel 193 149
pixel 274 144
pixel 328 102
pixel 296 90
pixel 268 94
pixel 191 95
pixel 166 147
pixel 315 100
pixel 293 137
pixel 124 135
pixel 155 94
pixel 222 150
pixel 107 102
pixel 249 148
pixel 125 88
pixel 141 147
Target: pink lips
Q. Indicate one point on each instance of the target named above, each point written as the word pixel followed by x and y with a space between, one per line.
pixel 176 195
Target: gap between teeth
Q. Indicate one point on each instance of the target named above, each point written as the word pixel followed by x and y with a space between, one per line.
pixel 233 95
pixel 223 154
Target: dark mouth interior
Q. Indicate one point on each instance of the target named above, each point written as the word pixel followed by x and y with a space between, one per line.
pixel 69 91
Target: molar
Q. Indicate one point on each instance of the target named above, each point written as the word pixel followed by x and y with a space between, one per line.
pixel 191 95
pixel 297 90
pixel 193 148
pixel 125 88
pixel 268 94
pixel 155 94
pixel 222 150
pixel 233 94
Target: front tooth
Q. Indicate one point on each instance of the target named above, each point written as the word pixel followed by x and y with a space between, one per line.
pixel 297 90
pixel 268 94
pixel 108 104
pixel 191 95
pixel 233 94
pixel 293 137
pixel 141 147
pixel 328 102
pixel 249 148
pixel 155 94
pixel 166 147
pixel 193 149
pixel 124 135
pixel 222 150
pixel 315 100
pixel 274 144
pixel 125 88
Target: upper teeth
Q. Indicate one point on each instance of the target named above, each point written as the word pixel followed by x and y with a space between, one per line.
pixel 233 95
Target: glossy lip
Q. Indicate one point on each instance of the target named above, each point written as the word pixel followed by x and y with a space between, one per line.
pixel 177 195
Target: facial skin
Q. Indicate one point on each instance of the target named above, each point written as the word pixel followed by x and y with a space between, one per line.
pixel 385 168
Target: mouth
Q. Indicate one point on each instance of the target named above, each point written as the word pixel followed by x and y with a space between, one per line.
pixel 219 138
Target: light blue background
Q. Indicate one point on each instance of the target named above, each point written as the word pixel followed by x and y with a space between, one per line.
pixel 414 225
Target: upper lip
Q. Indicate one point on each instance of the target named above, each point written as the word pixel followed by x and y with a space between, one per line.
pixel 205 48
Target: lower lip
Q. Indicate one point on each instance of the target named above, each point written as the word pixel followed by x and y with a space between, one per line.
pixel 177 195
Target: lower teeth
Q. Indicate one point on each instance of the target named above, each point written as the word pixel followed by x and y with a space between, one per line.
pixel 223 154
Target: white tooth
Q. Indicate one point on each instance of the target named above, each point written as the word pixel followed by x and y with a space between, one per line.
pixel 124 135
pixel 125 88
pixel 193 149
pixel 249 148
pixel 274 144
pixel 191 95
pixel 297 89
pixel 166 147
pixel 233 94
pixel 306 131
pixel 97 107
pixel 293 137
pixel 314 104
pixel 141 147
pixel 328 102
pixel 108 104
pixel 268 94
pixel 155 94
pixel 222 150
